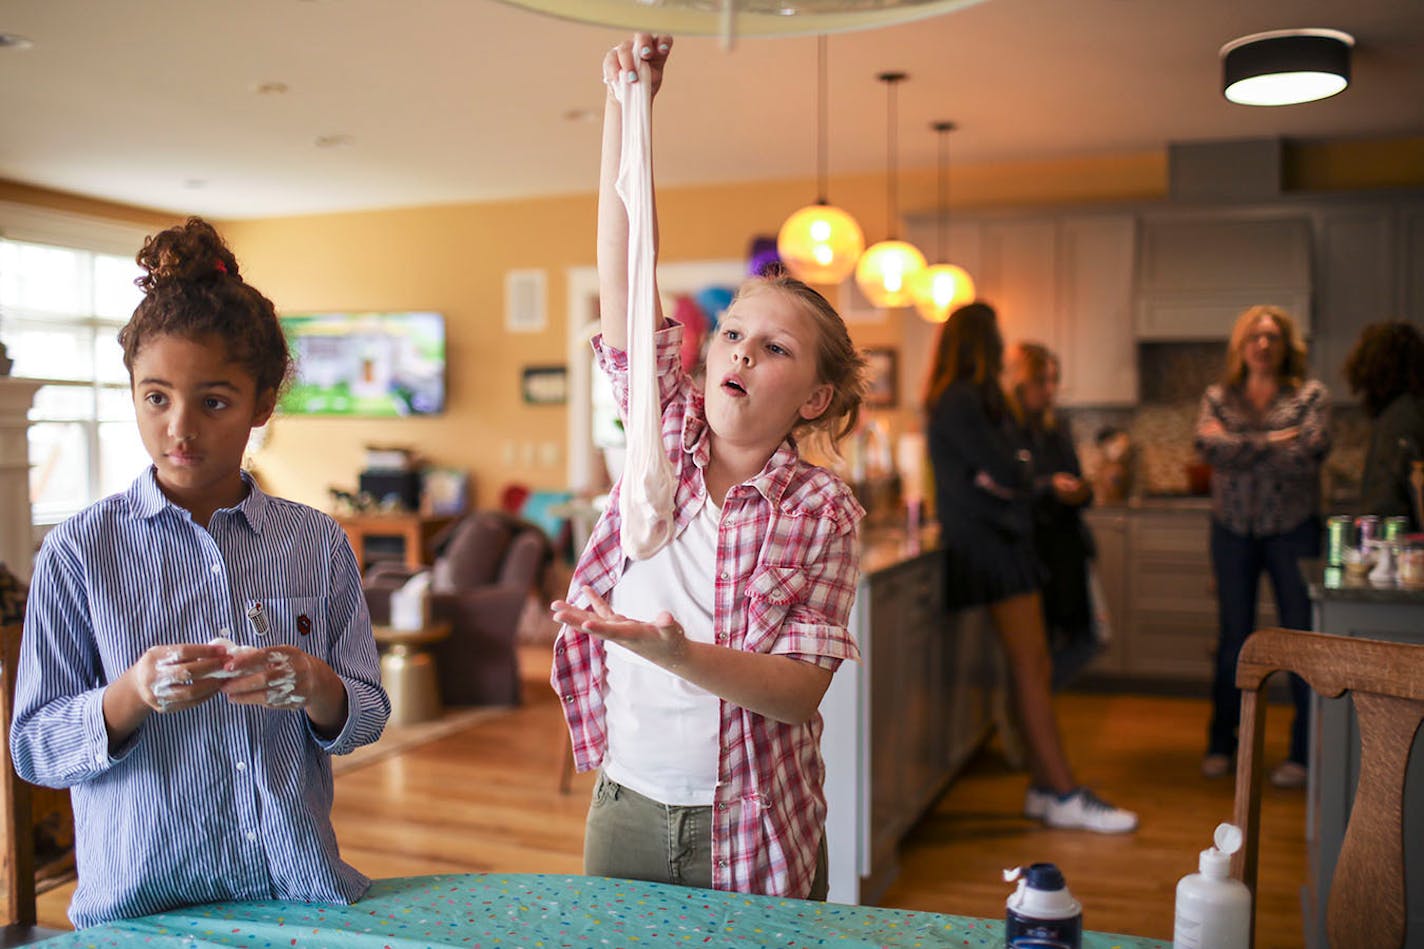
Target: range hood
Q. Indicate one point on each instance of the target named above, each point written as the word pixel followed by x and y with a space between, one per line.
pixel 1201 264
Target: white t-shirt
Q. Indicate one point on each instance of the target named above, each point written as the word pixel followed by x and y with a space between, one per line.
pixel 663 731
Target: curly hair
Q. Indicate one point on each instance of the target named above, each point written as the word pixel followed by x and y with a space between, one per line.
pixel 193 288
pixel 838 362
pixel 1293 366
pixel 969 347
pixel 1386 362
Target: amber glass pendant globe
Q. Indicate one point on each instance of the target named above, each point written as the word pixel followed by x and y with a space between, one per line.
pixel 940 290
pixel 885 272
pixel 820 244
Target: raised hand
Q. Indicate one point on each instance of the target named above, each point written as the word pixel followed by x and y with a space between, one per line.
pixel 620 64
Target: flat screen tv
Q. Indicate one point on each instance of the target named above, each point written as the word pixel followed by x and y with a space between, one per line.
pixel 366 364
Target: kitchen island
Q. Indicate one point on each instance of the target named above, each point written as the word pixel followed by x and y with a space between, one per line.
pixel 901 723
pixel 1358 609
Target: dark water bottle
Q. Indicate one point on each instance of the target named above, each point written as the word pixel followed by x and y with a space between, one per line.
pixel 1041 913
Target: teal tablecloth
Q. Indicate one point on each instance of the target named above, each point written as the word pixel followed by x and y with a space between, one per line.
pixel 537 911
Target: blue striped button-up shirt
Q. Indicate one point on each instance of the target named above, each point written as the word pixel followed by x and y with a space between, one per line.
pixel 216 802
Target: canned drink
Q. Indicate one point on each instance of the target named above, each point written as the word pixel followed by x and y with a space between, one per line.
pixel 1395 527
pixel 1337 538
pixel 1368 527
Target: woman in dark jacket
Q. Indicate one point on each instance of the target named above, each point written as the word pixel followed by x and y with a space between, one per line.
pixel 983 491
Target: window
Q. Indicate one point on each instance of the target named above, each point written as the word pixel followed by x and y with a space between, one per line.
pixel 61 308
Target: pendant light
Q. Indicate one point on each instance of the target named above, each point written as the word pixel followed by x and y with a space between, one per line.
pixel 820 243
pixel 940 290
pixel 885 270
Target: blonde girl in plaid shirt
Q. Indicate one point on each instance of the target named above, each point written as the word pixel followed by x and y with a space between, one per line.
pixel 765 562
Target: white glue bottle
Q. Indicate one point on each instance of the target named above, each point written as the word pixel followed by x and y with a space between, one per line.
pixel 1213 910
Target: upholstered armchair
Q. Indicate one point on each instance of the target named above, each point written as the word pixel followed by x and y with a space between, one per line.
pixel 484 571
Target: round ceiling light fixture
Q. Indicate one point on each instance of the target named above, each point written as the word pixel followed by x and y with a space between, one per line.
pixel 1286 67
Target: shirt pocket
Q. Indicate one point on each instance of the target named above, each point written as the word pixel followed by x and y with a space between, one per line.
pixel 289 621
pixel 774 589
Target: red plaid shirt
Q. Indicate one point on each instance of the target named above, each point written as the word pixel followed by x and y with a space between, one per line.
pixel 787 564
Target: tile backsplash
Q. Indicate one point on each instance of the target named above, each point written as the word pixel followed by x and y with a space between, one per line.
pixel 1174 375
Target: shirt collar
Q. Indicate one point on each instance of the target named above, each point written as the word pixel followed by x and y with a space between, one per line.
pixel 774 476
pixel 147 500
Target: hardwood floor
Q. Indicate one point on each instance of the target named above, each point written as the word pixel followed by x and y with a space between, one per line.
pixel 487 800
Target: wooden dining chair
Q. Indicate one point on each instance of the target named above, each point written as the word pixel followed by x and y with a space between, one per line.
pixel 17 832
pixel 1386 681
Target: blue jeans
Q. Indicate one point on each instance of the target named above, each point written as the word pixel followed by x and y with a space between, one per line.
pixel 1238 562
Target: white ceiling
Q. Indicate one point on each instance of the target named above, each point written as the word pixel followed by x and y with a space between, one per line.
pixel 152 102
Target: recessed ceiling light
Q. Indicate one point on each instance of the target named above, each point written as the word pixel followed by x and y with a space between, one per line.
pixel 14 41
pixel 272 88
pixel 336 140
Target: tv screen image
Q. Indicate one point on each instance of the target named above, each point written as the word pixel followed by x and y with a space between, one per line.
pixel 366 364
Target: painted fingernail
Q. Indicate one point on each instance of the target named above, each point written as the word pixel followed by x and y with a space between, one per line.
pixel 647 51
pixel 632 75
pixel 663 47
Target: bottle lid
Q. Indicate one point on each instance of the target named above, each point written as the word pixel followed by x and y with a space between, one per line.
pixel 1045 876
pixel 1216 861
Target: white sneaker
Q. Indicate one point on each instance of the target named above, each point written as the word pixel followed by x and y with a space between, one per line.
pixel 1084 810
pixel 1036 801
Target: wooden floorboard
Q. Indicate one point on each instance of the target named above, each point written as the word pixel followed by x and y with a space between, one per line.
pixel 487 800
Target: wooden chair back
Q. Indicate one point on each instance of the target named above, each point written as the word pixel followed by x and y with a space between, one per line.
pixel 1386 680
pixel 17 841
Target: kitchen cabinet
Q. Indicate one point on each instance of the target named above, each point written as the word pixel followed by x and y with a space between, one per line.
pixel 1154 564
pixel 1356 286
pixel 904 720
pixel 1064 280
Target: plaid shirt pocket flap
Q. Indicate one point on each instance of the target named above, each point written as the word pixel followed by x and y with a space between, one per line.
pixel 778 585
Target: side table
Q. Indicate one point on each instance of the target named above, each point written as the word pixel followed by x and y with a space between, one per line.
pixel 408 671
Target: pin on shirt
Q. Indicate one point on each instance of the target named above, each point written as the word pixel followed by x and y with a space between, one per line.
pixel 258 618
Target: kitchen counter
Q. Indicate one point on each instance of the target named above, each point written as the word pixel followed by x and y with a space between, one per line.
pixel 1346 607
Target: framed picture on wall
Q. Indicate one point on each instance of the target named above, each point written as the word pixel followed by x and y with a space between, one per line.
pixel 545 385
pixel 883 392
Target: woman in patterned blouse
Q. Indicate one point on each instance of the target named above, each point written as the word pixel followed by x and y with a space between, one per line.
pixel 1264 429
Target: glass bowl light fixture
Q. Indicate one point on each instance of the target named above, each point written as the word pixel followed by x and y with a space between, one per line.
pixel 1286 67
pixel 820 243
pixel 732 18
pixel 940 290
pixel 886 269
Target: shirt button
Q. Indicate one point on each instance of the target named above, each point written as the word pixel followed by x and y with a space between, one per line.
pixel 225 632
pixel 568 698
pixel 242 766
pixel 726 575
pixel 216 568
pixel 251 835
pixel 722 864
pixel 721 805
pixel 100 758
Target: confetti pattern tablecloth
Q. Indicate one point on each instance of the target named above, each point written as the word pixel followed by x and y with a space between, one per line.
pixel 537 911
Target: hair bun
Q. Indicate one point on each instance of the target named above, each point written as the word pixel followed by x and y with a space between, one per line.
pixel 189 253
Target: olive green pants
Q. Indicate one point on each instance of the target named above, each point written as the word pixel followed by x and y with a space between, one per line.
pixel 633 837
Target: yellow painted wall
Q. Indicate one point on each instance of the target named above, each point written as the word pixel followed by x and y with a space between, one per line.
pixel 453 259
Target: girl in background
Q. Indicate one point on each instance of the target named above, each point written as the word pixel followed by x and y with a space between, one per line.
pixel 983 485
pixel 193 582
pixel 1062 542
pixel 1264 429
pixel 691 679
